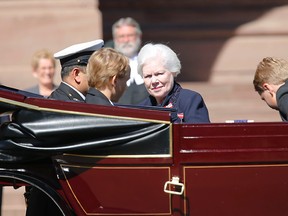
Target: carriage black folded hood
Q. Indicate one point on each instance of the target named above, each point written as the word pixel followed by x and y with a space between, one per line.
pixel 40 128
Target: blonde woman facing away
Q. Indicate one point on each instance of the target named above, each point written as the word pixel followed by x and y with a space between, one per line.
pixel 108 71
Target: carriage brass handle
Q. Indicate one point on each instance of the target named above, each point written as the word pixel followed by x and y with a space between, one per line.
pixel 175 182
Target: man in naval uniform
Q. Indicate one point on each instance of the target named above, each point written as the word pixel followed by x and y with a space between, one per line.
pixel 73 60
pixel 73 87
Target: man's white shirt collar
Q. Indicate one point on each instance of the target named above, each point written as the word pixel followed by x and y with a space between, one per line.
pixel 134 76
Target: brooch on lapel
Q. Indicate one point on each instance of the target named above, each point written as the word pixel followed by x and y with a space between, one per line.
pixel 170 105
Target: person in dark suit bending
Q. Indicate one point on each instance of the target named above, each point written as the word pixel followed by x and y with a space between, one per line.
pixel 108 72
pixel 159 66
pixel 271 83
pixel 74 59
pixel 73 87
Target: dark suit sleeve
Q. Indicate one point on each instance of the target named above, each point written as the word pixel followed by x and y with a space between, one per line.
pixel 282 101
pixel 192 105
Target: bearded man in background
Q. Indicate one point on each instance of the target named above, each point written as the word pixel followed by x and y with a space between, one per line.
pixel 127 38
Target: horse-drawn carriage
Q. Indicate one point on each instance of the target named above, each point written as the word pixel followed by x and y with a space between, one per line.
pixel 98 160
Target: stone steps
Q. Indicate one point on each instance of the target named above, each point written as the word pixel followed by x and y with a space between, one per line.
pixel 230 101
pixel 13 203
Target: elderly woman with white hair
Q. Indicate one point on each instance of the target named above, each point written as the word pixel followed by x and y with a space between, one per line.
pixel 159 66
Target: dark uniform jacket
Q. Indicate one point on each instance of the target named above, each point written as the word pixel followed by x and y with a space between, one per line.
pixel 94 96
pixel 189 105
pixel 282 101
pixel 37 199
pixel 66 93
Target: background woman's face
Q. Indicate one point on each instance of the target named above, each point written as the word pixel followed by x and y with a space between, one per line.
pixel 158 80
pixel 45 71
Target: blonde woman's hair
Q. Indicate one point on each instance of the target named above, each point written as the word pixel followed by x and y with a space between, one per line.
pixel 272 71
pixel 104 64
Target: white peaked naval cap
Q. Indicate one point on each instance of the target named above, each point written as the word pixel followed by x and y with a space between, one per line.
pixel 78 54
